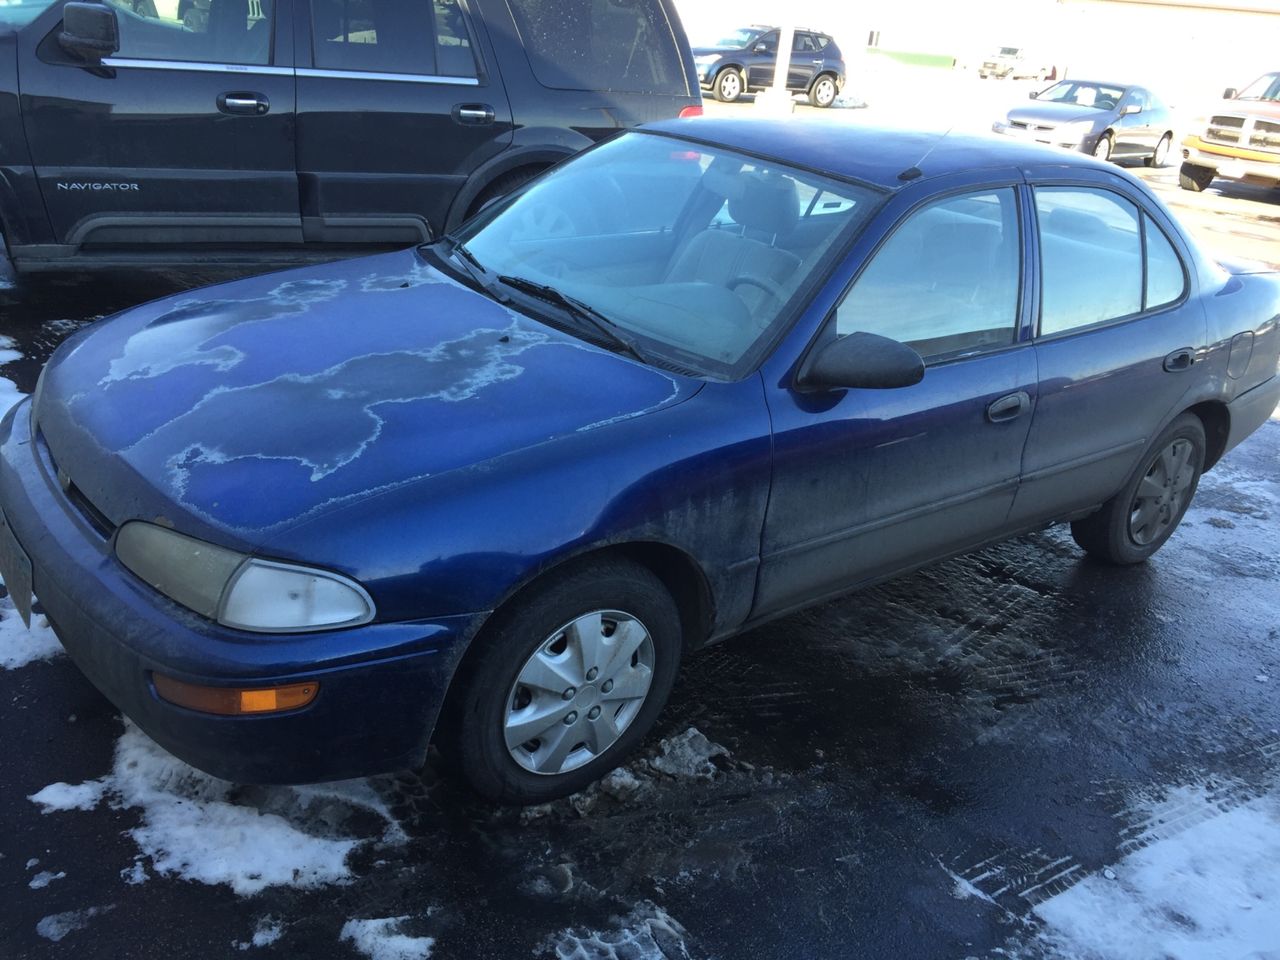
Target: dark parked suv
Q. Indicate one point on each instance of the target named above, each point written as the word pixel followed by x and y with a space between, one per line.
pixel 745 60
pixel 163 131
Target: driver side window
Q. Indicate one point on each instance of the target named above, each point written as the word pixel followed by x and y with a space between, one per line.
pixel 203 31
pixel 946 281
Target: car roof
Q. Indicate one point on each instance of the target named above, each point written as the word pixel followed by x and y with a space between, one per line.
pixel 856 150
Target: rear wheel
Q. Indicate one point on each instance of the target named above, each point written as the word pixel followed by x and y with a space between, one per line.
pixel 1136 522
pixel 728 85
pixel 1193 178
pixel 570 679
pixel 1161 153
pixel 823 92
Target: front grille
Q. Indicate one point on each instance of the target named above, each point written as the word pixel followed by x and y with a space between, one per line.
pixel 1225 129
pixel 1266 135
pixel 1034 127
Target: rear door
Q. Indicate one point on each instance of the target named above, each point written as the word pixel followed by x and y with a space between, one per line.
pixel 184 137
pixel 398 102
pixel 806 60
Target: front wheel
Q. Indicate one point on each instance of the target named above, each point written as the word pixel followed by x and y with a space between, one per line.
pixel 1136 522
pixel 569 681
pixel 823 92
pixel 728 85
pixel 1193 178
pixel 1161 153
pixel 1102 149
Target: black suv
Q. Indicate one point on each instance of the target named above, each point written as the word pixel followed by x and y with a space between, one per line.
pixel 231 131
pixel 745 61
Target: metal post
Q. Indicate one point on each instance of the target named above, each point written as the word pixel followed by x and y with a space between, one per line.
pixel 777 98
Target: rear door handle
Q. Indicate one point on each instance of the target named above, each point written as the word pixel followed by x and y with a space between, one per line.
pixel 1180 360
pixel 1008 408
pixel 245 104
pixel 473 113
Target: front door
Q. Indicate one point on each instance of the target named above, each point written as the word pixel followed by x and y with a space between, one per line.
pixel 869 482
pixel 1134 133
pixel 398 103
pixel 183 137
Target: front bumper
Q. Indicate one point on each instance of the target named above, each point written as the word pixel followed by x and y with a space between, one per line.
pixel 1232 163
pixel 381 685
pixel 1050 138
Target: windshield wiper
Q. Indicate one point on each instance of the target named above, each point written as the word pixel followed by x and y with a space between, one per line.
pixel 464 259
pixel 602 324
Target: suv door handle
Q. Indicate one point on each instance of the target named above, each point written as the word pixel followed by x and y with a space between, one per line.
pixel 244 104
pixel 1008 408
pixel 1180 360
pixel 473 113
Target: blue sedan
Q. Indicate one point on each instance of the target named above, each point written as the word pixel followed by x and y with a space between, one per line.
pixel 491 490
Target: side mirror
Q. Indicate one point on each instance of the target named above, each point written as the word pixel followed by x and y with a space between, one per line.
pixel 90 31
pixel 1230 93
pixel 762 48
pixel 864 360
pixel 1129 109
pixel 1033 95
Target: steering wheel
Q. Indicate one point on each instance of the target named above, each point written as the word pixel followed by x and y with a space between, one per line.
pixel 770 287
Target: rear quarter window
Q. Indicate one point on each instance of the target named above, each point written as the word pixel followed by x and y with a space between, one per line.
pixel 622 45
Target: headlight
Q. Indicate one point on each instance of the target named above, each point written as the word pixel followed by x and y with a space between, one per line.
pixel 237 590
pixel 1073 132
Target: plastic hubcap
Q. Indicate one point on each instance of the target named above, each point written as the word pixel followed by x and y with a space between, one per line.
pixel 1162 493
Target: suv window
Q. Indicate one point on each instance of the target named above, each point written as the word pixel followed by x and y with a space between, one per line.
pixel 406 36
pixel 805 43
pixel 196 31
pixel 946 282
pixel 1091 255
pixel 600 45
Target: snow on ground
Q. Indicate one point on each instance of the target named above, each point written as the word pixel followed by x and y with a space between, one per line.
pixel 383 939
pixel 58 925
pixel 9 393
pixel 647 933
pixel 267 932
pixel 192 826
pixel 688 755
pixel 44 878
pixel 1205 886
pixel 19 645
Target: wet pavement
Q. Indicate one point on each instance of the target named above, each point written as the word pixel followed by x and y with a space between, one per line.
pixel 908 772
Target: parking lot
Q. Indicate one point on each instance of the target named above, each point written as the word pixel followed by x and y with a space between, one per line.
pixel 1015 753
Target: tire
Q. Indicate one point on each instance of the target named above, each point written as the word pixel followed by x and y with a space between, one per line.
pixel 823 93
pixel 728 85
pixel 1102 149
pixel 1193 178
pixel 536 639
pixel 1161 153
pixel 1137 521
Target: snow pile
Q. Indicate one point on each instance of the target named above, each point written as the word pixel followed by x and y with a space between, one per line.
pixel 687 756
pixel 382 939
pixel 191 826
pixel 58 925
pixel 20 646
pixel 44 878
pixel 647 933
pixel 1209 890
pixel 267 932
pixel 9 393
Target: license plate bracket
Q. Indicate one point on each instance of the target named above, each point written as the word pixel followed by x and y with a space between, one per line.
pixel 15 568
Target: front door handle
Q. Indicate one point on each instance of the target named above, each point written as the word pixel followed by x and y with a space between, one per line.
pixel 1008 408
pixel 473 113
pixel 1180 360
pixel 244 104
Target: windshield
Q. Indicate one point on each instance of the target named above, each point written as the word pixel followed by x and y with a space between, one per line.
pixel 736 40
pixel 693 254
pixel 18 13
pixel 1008 52
pixel 1099 96
pixel 1264 88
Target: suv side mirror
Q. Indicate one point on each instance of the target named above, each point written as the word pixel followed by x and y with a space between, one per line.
pixel 1230 93
pixel 90 31
pixel 862 360
pixel 1129 109
pixel 762 48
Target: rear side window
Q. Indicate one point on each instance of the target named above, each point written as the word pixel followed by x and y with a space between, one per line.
pixel 392 36
pixel 1166 280
pixel 946 282
pixel 196 31
pixel 623 45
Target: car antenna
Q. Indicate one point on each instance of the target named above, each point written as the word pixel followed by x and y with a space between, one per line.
pixel 913 172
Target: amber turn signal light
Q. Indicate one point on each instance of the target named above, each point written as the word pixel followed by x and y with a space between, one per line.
pixel 235 701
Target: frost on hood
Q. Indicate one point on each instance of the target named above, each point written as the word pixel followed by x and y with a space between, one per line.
pixel 200 828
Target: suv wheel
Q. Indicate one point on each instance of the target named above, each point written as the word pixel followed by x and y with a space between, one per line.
pixel 823 92
pixel 728 85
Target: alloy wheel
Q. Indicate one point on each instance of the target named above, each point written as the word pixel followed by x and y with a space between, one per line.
pixel 578 691
pixel 1162 494
pixel 824 92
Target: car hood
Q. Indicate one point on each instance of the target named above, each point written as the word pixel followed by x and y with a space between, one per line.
pixel 1261 108
pixel 236 410
pixel 714 51
pixel 1047 113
